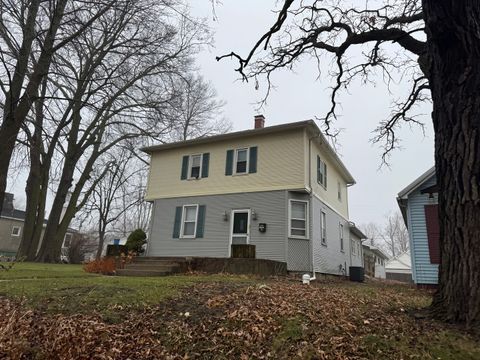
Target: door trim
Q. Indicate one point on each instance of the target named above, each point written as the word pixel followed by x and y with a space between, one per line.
pixel 232 214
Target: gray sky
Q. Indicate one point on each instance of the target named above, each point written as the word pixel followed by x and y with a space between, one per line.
pixel 298 96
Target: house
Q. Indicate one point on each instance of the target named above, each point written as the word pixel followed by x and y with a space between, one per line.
pixel 281 188
pixel 399 268
pixel 356 248
pixel 374 261
pixel 11 229
pixel 418 203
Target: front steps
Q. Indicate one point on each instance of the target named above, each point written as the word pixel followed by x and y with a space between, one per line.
pixel 153 266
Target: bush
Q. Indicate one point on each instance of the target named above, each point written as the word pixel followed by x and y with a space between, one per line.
pixel 105 266
pixel 136 240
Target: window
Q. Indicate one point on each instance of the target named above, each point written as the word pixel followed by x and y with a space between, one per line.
pixel 241 161
pixel 353 247
pixel 323 227
pixel 67 241
pixel 189 221
pixel 339 191
pixel 195 166
pixel 341 237
pixel 298 219
pixel 321 172
pixel 16 230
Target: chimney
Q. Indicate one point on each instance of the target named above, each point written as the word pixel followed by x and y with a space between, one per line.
pixel 259 121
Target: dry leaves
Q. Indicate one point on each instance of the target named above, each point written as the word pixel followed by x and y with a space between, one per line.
pixel 282 319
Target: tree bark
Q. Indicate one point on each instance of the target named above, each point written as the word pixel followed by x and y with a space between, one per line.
pixel 453 33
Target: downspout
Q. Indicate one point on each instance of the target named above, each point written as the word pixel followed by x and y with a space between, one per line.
pixel 307 278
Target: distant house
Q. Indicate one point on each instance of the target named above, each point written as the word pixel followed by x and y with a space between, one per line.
pixel 399 268
pixel 281 188
pixel 374 261
pixel 11 229
pixel 419 206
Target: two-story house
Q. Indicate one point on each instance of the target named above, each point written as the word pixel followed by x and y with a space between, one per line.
pixel 281 188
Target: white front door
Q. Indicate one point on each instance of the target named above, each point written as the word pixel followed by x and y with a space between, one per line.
pixel 240 227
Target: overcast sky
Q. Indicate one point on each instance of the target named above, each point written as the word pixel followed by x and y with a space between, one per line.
pixel 298 96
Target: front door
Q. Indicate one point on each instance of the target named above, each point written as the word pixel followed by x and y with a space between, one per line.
pixel 240 226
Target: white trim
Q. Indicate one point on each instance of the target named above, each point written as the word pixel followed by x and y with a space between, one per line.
pixel 307 235
pixel 182 235
pixel 416 183
pixel 341 236
pixel 232 215
pixel 247 149
pixel 339 191
pixel 190 163
pixel 19 230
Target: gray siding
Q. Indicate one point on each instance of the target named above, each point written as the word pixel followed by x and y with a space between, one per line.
pixel 329 258
pixel 270 209
pixel 422 270
pixel 299 250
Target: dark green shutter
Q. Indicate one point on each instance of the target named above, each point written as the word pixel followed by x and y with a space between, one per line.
pixel 252 164
pixel 200 221
pixel 177 222
pixel 325 175
pixel 184 168
pixel 229 163
pixel 205 161
pixel 319 163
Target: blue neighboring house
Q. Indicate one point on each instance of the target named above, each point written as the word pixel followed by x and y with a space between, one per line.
pixel 419 206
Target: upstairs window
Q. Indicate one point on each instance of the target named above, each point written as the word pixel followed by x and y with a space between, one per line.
pixel 16 230
pixel 321 172
pixel 195 166
pixel 298 219
pixel 241 161
pixel 339 191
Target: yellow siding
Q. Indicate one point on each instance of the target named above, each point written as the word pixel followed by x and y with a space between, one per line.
pixel 329 196
pixel 280 165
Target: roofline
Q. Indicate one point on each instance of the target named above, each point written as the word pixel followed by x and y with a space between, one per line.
pixel 305 124
pixel 377 250
pixel 416 183
pixel 356 230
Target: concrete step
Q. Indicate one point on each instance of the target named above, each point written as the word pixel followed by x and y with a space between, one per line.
pixel 148 267
pixel 158 258
pixel 135 272
pixel 153 263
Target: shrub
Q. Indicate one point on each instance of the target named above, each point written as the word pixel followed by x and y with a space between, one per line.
pixel 105 266
pixel 136 240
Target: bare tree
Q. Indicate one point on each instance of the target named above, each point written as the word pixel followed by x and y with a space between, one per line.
pixel 395 235
pixel 31 32
pixel 438 49
pixel 372 231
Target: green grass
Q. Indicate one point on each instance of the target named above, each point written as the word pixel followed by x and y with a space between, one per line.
pixel 68 289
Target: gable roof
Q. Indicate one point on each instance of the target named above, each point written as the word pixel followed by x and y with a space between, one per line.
pixel 306 124
pixel 376 250
pixel 402 261
pixel 416 183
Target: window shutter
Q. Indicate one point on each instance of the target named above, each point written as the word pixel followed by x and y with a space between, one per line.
pixel 177 222
pixel 184 168
pixel 205 162
pixel 200 221
pixel 229 163
pixel 319 163
pixel 252 164
pixel 325 175
pixel 433 233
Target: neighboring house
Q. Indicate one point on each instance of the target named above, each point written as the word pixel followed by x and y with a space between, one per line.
pixel 419 206
pixel 374 261
pixel 399 268
pixel 356 248
pixel 281 188
pixel 11 229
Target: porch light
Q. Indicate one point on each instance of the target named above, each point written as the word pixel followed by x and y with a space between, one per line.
pixel 254 214
pixel 225 216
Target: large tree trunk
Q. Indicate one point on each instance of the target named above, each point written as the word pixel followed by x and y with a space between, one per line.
pixel 453 30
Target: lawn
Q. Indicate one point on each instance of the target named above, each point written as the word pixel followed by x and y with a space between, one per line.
pixel 60 312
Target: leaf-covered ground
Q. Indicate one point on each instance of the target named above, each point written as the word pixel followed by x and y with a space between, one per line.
pixel 277 319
